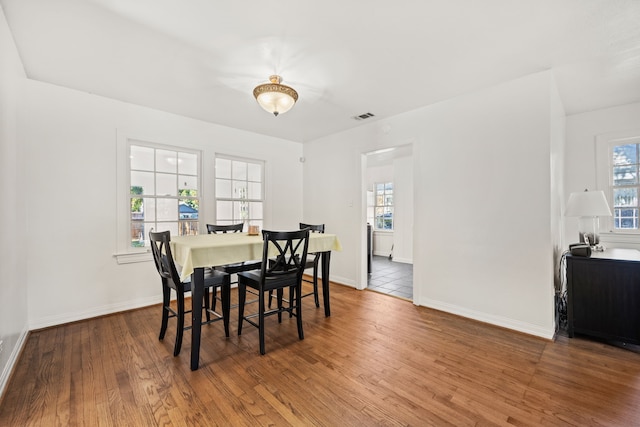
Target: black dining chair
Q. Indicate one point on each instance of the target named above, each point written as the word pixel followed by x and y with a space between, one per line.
pixel 234 268
pixel 313 261
pixel 284 257
pixel 161 249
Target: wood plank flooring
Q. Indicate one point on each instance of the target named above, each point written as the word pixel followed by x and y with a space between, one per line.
pixel 377 360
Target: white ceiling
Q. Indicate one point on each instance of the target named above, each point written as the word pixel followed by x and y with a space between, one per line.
pixel 202 58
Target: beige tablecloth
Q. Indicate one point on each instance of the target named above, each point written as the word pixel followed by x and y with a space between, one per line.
pixel 207 250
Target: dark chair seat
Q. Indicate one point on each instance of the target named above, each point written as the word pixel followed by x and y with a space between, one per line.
pixel 165 265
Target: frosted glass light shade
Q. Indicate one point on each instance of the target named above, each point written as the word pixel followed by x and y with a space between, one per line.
pixel 274 97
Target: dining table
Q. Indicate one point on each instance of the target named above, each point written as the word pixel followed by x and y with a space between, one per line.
pixel 194 253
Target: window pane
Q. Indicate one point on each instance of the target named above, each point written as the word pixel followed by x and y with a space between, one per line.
pixel 166 161
pixel 223 168
pixel 167 210
pixel 149 209
pixel 224 210
pixel 388 200
pixel 188 228
pixel 141 158
pixel 625 154
pixel 255 190
pixel 190 183
pixel 626 218
pixel 137 212
pixel 239 170
pixel 166 184
pixel 254 172
pixel 188 163
pixel 240 210
pixel 137 234
pixel 142 183
pixel 239 189
pixel 625 175
pixel 188 209
pixel 171 227
pixel 625 197
pixel 223 189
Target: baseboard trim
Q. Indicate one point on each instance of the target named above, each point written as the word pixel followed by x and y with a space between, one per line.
pixel 503 322
pixel 61 319
pixel 11 363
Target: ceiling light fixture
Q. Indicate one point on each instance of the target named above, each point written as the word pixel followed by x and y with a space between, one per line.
pixel 274 97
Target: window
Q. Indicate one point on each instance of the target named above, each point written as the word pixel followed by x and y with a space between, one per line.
pixel 383 206
pixel 239 191
pixel 624 174
pixel 163 191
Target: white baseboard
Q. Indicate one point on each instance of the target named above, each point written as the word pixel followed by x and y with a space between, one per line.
pixel 503 322
pixel 11 363
pixel 402 260
pixel 60 319
pixel 378 253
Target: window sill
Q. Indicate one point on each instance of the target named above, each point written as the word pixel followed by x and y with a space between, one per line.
pixel 133 257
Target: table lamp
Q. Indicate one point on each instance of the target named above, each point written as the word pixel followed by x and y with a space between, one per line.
pixel 588 206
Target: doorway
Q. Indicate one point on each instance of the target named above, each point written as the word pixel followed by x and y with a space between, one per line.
pixel 387 182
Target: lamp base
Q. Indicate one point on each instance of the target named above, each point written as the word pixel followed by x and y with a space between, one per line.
pixel 589 238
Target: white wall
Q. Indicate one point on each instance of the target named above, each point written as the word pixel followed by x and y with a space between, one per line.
pixel 13 289
pixel 71 138
pixel 557 164
pixel 580 163
pixel 482 201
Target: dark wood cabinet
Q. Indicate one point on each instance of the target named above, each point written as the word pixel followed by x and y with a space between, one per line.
pixel 603 295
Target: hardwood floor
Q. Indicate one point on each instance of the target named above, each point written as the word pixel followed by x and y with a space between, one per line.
pixel 377 360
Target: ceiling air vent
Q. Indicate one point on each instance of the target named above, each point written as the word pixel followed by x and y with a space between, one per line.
pixel 363 116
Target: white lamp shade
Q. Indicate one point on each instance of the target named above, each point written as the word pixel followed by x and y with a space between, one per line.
pixel 587 203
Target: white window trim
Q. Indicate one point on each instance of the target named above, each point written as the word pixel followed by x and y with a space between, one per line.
pixel 604 180
pixel 125 254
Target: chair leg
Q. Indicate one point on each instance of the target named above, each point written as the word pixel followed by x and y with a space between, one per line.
pixel 270 297
pixel 291 300
pixel 180 330
pixel 226 305
pixel 261 319
pixel 206 304
pixel 279 298
pixel 315 284
pixel 299 310
pixel 214 294
pixel 242 296
pixel 166 300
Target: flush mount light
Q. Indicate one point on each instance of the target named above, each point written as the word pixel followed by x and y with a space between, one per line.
pixel 274 97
